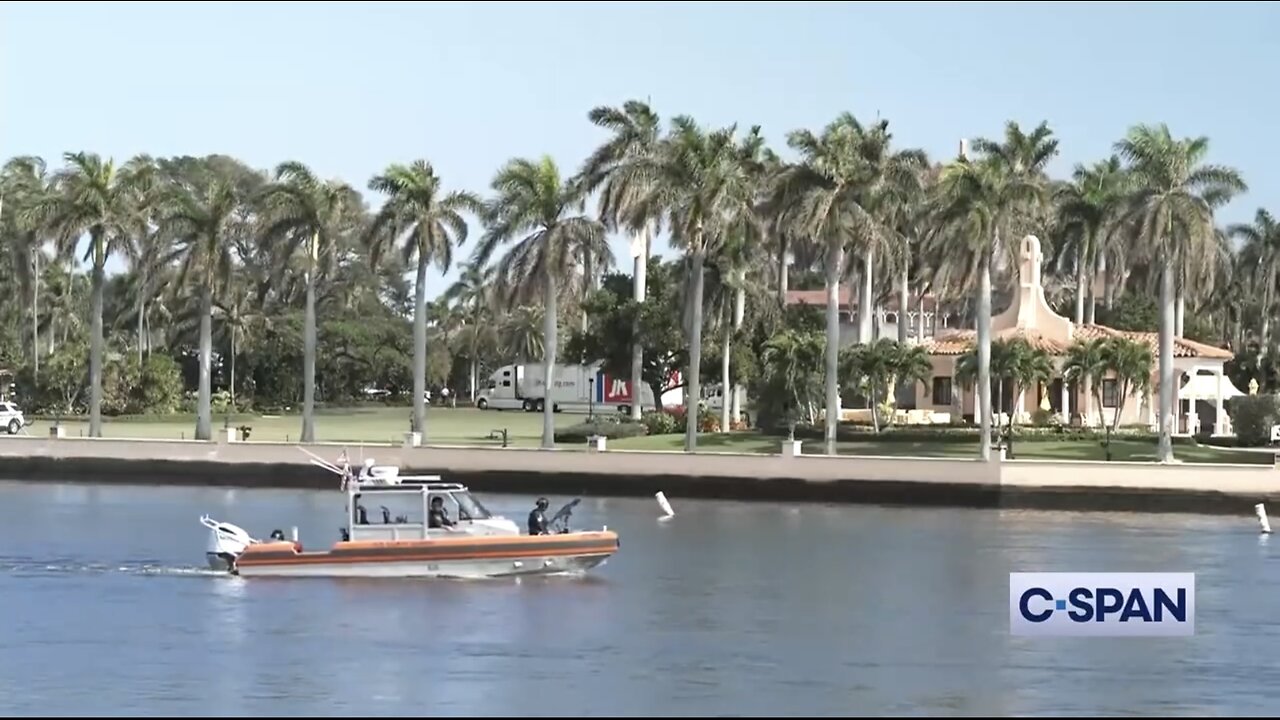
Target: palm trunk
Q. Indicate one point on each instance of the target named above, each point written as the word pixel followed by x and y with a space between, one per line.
pixel 1082 286
pixel 549 332
pixel 420 346
pixel 904 300
pixel 1164 451
pixel 835 259
pixel 783 270
pixel 95 336
pixel 35 318
pixel 865 311
pixel 1179 311
pixel 142 312
pixel 309 351
pixel 204 393
pixel 233 369
pixel 725 404
pixel 639 282
pixel 739 313
pixel 1108 287
pixel 693 382
pixel 1266 308
pixel 873 404
pixel 984 355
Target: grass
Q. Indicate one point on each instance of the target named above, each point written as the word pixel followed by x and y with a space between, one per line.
pixel 468 426
pixel 1121 450
pixel 464 426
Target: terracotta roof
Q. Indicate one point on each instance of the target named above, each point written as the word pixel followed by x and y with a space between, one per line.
pixel 818 298
pixel 958 342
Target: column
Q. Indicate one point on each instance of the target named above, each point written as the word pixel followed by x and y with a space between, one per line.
pixel 1066 402
pixel 1220 417
pixel 1177 400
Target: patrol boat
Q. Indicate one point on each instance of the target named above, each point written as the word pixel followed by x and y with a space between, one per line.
pixel 477 544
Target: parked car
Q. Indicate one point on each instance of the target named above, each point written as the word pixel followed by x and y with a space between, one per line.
pixel 11 418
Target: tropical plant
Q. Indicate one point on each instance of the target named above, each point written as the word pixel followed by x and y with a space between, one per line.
pixel 541 214
pixel 428 224
pixel 877 367
pixel 1172 206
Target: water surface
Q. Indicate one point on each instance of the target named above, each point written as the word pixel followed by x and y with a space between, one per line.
pixel 727 609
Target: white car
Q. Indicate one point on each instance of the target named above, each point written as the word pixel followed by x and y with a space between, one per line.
pixel 11 419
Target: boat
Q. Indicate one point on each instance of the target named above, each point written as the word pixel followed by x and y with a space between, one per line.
pixel 478 544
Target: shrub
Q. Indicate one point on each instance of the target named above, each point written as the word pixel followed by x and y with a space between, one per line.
pixel 609 428
pixel 1253 416
pixel 660 423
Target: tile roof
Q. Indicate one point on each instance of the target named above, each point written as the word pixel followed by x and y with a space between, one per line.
pixel 958 342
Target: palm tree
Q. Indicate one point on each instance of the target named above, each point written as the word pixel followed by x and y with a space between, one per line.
pixel 299 209
pixel 473 292
pixel 636 129
pixel 1262 245
pixel 1087 215
pixel 790 361
pixel 202 223
pixel 1013 360
pixel 982 204
pixel 879 365
pixel 92 196
pixel 541 214
pixel 839 189
pixel 427 222
pixel 1175 195
pixel 24 181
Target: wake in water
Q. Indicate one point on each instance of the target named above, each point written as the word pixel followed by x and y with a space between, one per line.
pixel 66 566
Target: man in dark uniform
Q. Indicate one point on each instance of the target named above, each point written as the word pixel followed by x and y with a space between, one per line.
pixel 538 518
pixel 436 516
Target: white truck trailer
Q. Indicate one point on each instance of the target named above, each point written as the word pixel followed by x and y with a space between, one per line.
pixel 574 388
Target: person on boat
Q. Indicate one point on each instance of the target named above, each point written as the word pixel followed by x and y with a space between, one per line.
pixel 436 516
pixel 538 518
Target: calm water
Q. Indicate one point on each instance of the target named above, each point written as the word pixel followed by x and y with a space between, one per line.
pixel 729 609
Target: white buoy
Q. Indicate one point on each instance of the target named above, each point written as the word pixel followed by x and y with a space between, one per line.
pixel 1262 518
pixel 294 533
pixel 666 506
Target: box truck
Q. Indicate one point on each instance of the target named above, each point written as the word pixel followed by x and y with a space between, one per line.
pixel 574 388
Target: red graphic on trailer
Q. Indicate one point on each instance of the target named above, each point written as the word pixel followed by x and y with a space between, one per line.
pixel 610 389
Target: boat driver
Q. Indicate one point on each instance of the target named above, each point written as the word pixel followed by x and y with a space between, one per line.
pixel 538 518
pixel 436 516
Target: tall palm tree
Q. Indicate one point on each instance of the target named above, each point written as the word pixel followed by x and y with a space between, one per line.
pixel 202 223
pixel 846 177
pixel 24 182
pixel 473 292
pixel 300 210
pixel 1262 246
pixel 542 215
pixel 1088 211
pixel 90 195
pixel 981 207
pixel 636 132
pixel 428 224
pixel 1173 203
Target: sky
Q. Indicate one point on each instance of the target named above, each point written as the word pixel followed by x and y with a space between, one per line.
pixel 350 87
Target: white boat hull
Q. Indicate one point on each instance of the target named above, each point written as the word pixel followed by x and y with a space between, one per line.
pixel 463 569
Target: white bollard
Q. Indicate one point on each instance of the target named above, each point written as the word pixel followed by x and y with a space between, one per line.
pixel 1262 518
pixel 666 506
pixel 294 533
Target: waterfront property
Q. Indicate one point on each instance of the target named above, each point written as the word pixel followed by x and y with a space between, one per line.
pixel 1201 388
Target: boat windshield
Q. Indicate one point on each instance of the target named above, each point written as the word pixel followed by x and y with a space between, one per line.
pixel 470 508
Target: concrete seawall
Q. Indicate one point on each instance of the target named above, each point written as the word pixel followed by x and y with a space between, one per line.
pixel 861 479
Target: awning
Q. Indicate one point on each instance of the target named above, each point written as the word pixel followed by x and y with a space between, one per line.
pixel 1205 387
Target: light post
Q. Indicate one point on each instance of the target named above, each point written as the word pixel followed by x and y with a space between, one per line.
pixel 591 399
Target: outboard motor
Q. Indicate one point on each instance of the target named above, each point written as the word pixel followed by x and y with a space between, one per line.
pixel 226 543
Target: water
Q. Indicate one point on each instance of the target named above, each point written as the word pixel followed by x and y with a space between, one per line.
pixel 728 609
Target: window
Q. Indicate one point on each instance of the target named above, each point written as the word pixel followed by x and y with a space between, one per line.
pixel 942 391
pixel 1110 393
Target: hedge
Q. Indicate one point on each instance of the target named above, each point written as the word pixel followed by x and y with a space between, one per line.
pixel 963 433
pixel 608 428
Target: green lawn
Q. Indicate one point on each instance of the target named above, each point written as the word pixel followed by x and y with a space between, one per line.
pixel 1132 450
pixel 374 425
pixel 468 426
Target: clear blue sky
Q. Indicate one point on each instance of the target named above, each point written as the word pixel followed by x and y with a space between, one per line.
pixel 349 88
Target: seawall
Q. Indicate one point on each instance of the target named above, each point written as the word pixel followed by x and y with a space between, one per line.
pixel 1042 484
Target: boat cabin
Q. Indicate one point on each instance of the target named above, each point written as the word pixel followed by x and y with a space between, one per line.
pixel 382 507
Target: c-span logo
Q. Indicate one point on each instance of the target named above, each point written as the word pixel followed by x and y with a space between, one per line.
pixel 1102 604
